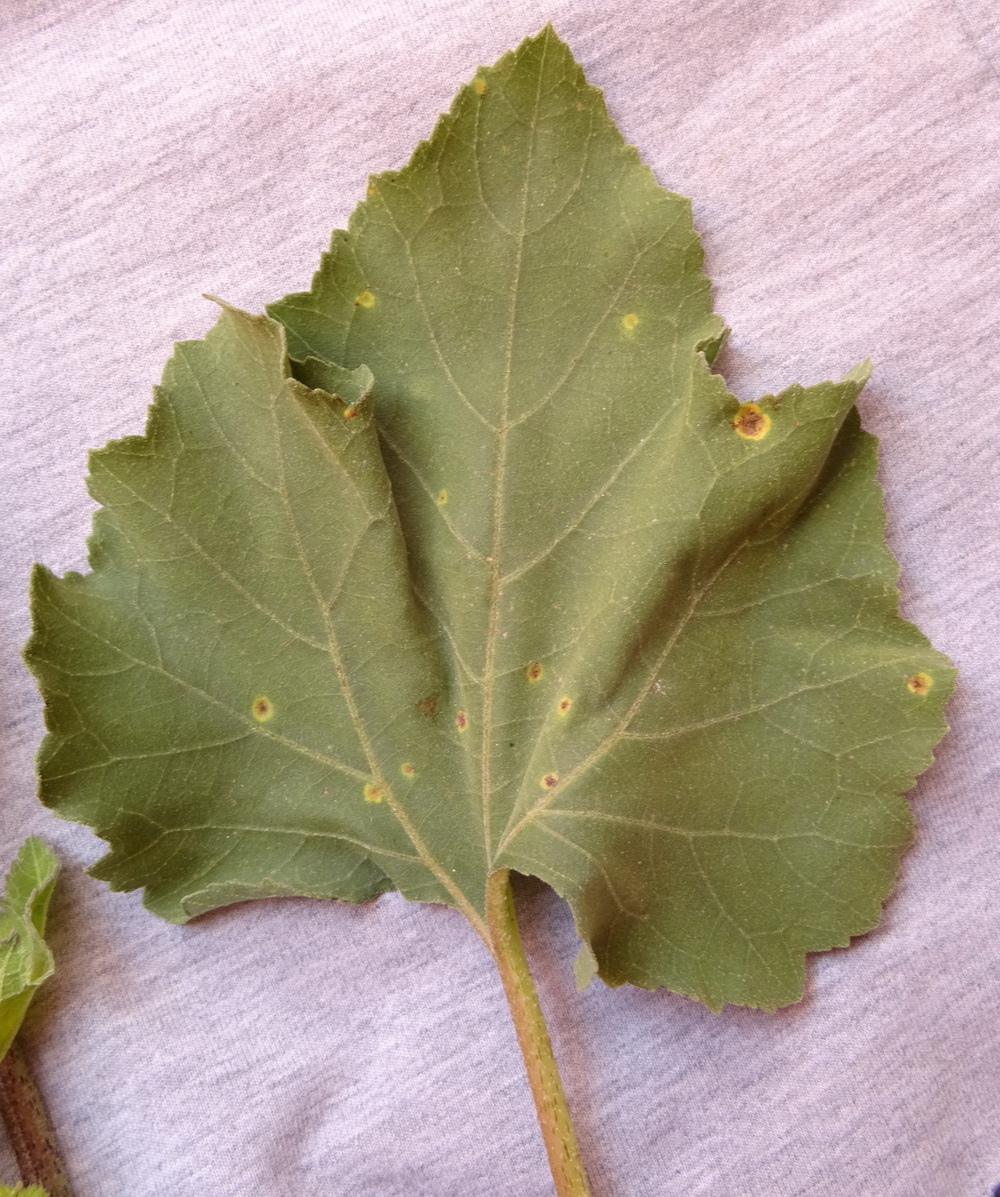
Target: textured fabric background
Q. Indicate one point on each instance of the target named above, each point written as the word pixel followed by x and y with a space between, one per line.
pixel 842 159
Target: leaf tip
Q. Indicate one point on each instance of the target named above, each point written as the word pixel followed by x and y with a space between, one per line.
pixel 585 967
pixel 860 373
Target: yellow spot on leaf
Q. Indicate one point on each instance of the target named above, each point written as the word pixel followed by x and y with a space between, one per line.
pixel 535 671
pixel 350 413
pixel 407 769
pixel 461 720
pixel 564 705
pixel 751 423
pixel 480 87
pixel 442 498
pixel 549 781
pixel 920 683
pixel 630 321
pixel 372 190
pixel 262 709
pixel 373 793
pixel 365 300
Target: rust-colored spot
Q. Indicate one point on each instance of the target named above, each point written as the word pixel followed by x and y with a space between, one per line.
pixel 350 413
pixel 428 706
pixel 262 709
pixel 461 720
pixel 630 321
pixel 920 683
pixel 365 300
pixel 442 498
pixel 564 705
pixel 535 671
pixel 549 781
pixel 373 793
pixel 751 423
pixel 407 769
pixel 480 87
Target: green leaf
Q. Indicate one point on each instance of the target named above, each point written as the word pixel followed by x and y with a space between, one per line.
pixel 25 960
pixel 493 572
pixel 21 1191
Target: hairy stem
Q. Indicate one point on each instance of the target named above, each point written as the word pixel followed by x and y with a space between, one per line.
pixel 28 1126
pixel 533 1036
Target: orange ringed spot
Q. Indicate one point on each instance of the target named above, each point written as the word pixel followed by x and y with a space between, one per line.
pixel 365 300
pixel 262 709
pixel 751 423
pixel 630 321
pixel 535 671
pixel 407 769
pixel 920 683
pixel 373 793
pixel 549 781
pixel 480 87
pixel 461 720
pixel 564 705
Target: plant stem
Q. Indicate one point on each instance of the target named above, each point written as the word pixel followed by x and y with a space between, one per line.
pixel 28 1126
pixel 533 1036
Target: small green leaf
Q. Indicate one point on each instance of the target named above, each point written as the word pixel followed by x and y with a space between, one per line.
pixel 494 573
pixel 21 1191
pixel 25 960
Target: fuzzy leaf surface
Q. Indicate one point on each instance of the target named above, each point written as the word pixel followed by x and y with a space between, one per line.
pixel 25 960
pixel 465 560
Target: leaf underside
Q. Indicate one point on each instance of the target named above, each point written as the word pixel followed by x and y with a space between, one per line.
pixel 465 560
pixel 25 960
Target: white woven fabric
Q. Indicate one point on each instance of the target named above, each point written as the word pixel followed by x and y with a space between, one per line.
pixel 842 158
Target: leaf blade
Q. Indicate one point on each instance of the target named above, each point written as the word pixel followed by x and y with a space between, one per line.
pixel 552 614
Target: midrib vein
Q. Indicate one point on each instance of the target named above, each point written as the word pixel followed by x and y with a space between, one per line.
pixel 495 571
pixel 621 727
pixel 367 748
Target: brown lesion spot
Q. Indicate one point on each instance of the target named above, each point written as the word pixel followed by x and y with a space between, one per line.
pixel 262 709
pixel 428 706
pixel 461 720
pixel 919 683
pixel 564 704
pixel 535 671
pixel 752 422
pixel 549 781
pixel 407 769
pixel 373 793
